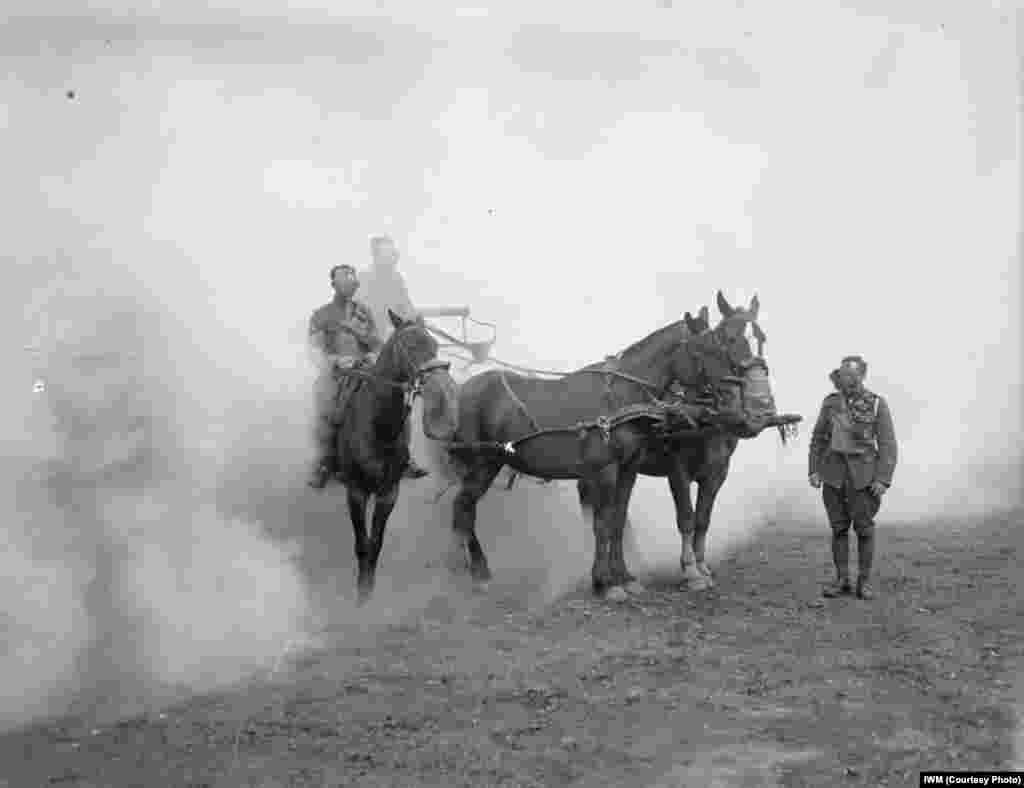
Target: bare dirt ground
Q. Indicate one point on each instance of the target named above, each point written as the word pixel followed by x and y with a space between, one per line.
pixel 757 682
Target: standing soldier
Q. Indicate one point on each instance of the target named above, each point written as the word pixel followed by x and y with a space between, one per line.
pixel 383 289
pixel 853 452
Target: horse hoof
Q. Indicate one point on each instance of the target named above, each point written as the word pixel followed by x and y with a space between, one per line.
pixel 617 594
pixel 704 569
pixel 634 587
pixel 700 583
pixel 481 587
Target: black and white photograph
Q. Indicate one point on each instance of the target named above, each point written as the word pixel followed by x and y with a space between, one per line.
pixel 467 394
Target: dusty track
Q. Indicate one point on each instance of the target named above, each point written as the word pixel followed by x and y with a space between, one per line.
pixel 755 683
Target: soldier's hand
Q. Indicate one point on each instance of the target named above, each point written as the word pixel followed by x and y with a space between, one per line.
pixel 878 489
pixel 815 480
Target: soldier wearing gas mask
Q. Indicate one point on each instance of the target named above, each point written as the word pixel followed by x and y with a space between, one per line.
pixel 852 457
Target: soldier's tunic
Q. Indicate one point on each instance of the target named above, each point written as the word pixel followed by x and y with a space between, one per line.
pixel 344 328
pixel 382 288
pixel 853 445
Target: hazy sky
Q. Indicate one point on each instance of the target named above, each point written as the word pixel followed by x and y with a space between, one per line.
pixel 579 175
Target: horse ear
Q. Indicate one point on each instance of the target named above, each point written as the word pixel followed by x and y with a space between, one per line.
pixel 705 315
pixel 754 306
pixel 723 306
pixel 688 319
pixel 396 321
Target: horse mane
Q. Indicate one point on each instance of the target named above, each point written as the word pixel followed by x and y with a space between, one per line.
pixel 679 324
pixel 387 351
pixel 658 334
pixel 387 357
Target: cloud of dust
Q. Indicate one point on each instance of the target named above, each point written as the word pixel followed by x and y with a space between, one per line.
pixel 579 203
pixel 131 587
pixel 45 622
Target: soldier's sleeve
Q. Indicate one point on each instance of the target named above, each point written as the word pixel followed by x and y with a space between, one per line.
pixel 316 332
pixel 888 450
pixel 819 438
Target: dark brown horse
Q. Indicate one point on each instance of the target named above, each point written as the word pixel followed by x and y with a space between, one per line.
pixel 702 458
pixel 371 451
pixel 551 428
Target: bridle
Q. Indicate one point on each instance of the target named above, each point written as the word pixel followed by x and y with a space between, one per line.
pixel 702 389
pixel 703 382
pixel 412 375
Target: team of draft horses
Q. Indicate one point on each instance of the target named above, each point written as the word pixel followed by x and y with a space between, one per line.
pixel 674 405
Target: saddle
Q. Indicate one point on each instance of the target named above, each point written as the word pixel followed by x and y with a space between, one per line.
pixel 347 385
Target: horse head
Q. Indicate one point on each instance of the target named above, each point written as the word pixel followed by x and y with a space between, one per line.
pixel 409 350
pixel 410 356
pixel 740 320
pixel 720 359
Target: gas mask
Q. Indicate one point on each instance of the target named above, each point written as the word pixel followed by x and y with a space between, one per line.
pixel 345 284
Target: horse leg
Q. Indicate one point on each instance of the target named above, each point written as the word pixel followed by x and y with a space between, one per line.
pixel 707 490
pixel 602 487
pixel 586 496
pixel 475 484
pixel 679 484
pixel 382 507
pixel 624 484
pixel 357 501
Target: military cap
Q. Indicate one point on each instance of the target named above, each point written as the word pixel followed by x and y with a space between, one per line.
pixel 855 362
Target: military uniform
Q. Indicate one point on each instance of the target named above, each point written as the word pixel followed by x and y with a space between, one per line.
pixel 344 328
pixel 853 447
pixel 383 288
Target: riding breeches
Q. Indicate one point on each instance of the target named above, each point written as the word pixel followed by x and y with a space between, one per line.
pixel 327 400
pixel 848 506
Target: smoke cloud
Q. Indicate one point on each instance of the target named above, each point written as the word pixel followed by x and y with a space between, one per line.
pixel 209 168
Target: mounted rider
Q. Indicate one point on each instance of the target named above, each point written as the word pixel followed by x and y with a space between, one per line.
pixel 342 334
pixel 384 288
pixel 852 456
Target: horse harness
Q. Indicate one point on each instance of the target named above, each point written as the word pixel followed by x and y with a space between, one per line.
pixel 658 408
pixel 412 388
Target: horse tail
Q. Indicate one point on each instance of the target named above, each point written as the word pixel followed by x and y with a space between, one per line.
pixel 441 460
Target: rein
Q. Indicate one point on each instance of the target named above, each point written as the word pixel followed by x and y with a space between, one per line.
pixel 413 387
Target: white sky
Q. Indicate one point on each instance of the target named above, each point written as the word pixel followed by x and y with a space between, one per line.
pixel 579 173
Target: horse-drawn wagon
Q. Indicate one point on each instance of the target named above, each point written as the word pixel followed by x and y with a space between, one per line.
pixel 466 346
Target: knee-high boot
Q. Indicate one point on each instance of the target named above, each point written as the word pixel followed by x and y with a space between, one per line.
pixel 865 558
pixel 841 559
